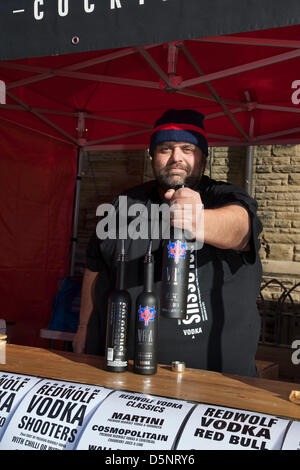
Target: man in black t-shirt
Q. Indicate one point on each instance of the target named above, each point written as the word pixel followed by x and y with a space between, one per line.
pixel 221 328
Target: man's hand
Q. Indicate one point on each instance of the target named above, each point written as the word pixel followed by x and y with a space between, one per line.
pixel 186 211
pixel 225 227
pixel 79 340
pixel 86 308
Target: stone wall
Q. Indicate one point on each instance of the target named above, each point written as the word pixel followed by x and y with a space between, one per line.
pixel 276 187
pixel 277 190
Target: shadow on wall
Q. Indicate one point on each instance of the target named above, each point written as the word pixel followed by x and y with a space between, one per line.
pixel 227 164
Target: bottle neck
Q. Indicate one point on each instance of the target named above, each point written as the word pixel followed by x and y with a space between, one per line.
pixel 120 282
pixel 177 234
pixel 148 274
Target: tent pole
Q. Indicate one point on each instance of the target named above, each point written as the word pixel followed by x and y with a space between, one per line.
pixel 249 169
pixel 249 153
pixel 76 211
pixel 2 92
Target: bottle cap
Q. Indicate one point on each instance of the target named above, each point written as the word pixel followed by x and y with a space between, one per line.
pixel 178 366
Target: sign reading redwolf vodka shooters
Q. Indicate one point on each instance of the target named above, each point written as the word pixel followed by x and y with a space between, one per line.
pixel 13 387
pixel 51 415
pixel 127 420
pixel 215 427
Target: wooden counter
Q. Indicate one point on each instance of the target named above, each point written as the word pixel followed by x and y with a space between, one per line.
pixel 260 395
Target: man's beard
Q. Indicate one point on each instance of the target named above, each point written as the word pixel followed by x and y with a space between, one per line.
pixel 170 181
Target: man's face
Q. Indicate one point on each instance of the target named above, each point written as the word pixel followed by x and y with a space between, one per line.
pixel 176 163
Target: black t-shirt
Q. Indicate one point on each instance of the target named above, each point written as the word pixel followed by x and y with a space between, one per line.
pixel 222 325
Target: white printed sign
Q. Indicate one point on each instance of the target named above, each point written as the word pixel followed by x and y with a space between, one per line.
pixel 292 438
pixel 214 427
pixel 128 420
pixel 51 416
pixel 13 387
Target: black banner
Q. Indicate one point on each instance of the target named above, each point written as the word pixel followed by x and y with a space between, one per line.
pixel 34 28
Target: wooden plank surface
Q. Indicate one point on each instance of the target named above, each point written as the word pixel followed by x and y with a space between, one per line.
pixel 260 395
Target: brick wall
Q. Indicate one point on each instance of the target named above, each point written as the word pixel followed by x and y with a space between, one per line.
pixel 277 190
pixel 276 187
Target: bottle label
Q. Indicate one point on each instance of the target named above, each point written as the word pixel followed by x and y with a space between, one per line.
pixel 146 314
pixel 116 363
pixel 145 336
pixel 110 354
pixel 119 324
pixel 116 342
pixel 177 250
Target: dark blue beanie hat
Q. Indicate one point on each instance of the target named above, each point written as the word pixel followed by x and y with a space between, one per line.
pixel 179 125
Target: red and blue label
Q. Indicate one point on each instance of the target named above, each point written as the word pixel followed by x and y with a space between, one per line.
pixel 177 250
pixel 146 314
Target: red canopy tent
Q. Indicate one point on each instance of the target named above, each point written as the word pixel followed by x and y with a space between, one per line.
pixel 58 106
pixel 110 99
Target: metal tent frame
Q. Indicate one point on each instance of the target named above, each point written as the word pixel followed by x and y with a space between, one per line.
pixel 167 80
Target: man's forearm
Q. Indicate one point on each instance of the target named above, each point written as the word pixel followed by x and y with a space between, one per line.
pixel 227 228
pixel 87 303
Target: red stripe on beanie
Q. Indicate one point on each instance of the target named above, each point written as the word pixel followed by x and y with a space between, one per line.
pixel 179 127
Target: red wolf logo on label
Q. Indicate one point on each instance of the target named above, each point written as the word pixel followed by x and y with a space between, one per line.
pixel 146 314
pixel 177 250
